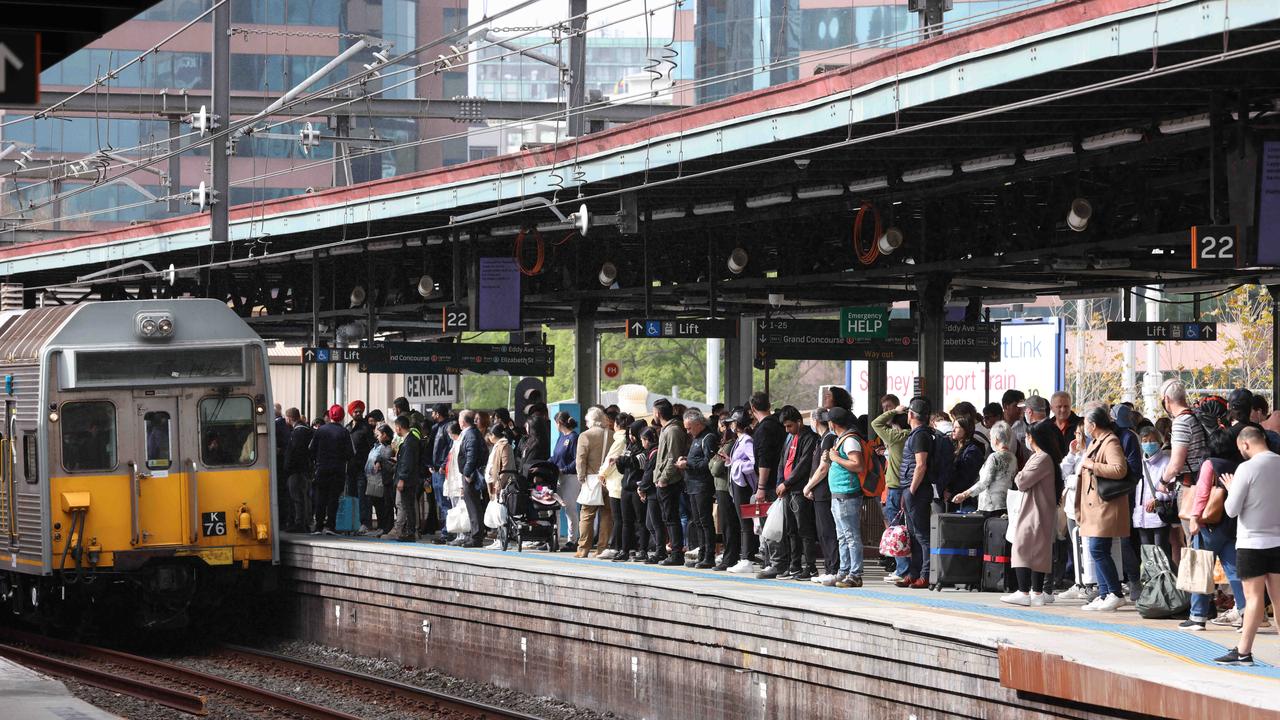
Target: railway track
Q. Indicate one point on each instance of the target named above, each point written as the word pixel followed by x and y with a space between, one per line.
pixel 190 690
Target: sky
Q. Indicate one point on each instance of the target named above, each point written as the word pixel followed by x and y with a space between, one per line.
pixel 616 18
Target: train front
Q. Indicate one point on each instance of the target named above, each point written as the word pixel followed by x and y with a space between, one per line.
pixel 158 448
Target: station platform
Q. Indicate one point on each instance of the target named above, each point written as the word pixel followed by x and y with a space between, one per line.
pixel 26 694
pixel 650 642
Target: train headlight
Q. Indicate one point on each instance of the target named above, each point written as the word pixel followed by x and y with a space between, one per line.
pixel 153 325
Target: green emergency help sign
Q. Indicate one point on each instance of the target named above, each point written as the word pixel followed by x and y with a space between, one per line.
pixel 864 323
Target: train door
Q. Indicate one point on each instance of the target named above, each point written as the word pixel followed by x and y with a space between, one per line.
pixel 160 485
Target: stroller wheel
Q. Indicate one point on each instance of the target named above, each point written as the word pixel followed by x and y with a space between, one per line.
pixel 554 542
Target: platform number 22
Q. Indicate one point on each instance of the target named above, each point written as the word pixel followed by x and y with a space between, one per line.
pixel 1218 248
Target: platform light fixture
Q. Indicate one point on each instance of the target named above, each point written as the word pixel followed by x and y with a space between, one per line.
pixel 1078 216
pixel 713 208
pixel 1020 300
pixel 933 172
pixel 990 162
pixel 1208 286
pixel 1048 152
pixel 871 183
pixel 345 250
pixel 890 241
pixel 819 191
pixel 1111 263
pixel 738 261
pixel 426 286
pixel 1111 139
pixel 769 199
pixel 1184 124
pixel 357 296
pixel 1068 264
pixel 668 213
pixel 505 231
pixel 608 274
pixel 1086 294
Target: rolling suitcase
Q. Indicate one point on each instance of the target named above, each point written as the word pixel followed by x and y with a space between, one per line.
pixel 348 520
pixel 996 551
pixel 955 550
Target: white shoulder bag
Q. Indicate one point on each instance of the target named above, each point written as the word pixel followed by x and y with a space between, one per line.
pixel 592 492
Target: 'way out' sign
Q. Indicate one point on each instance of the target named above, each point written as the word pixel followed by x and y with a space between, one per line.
pixel 430 389
pixel 864 323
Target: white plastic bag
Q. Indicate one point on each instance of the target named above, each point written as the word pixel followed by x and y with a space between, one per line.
pixel 772 531
pixel 458 522
pixel 495 515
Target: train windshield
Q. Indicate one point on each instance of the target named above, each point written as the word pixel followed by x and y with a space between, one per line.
pixel 88 436
pixel 228 431
pixel 159 366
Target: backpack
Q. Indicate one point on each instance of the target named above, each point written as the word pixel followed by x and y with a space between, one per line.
pixel 942 461
pixel 872 480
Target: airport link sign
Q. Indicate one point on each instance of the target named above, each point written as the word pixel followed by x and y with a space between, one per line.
pixel 677 328
pixel 784 339
pixel 1177 331
pixel 431 358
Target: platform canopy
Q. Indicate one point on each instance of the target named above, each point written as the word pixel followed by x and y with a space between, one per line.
pixel 1146 117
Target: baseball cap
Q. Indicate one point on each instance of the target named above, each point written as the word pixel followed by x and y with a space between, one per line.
pixel 1035 403
pixel 840 416
pixel 921 407
pixel 736 415
pixel 1122 416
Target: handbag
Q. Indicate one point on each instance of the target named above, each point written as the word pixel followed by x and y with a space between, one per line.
pixel 1215 507
pixel 1166 510
pixel 592 492
pixel 495 515
pixel 772 531
pixel 753 510
pixel 895 541
pixel 373 486
pixel 1195 572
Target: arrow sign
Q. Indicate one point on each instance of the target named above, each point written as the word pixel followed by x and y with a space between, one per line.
pixel 20 68
pixel 681 328
pixel 1174 331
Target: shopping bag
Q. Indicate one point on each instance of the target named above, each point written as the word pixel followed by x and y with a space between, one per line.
pixel 1160 596
pixel 1195 572
pixel 458 522
pixel 495 515
pixel 592 492
pixel 373 485
pixel 772 531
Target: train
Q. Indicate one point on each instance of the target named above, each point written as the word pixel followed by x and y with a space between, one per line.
pixel 136 461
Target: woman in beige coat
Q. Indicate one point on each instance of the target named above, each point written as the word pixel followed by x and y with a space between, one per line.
pixel 593 448
pixel 1040 481
pixel 1102 521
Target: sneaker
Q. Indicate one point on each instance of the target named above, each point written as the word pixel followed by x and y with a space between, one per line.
pixel 802 576
pixel 1092 605
pixel 607 555
pixel 655 559
pixel 531 544
pixel 620 558
pixel 1191 625
pixel 892 578
pixel 1046 598
pixel 495 545
pixel 720 567
pixel 854 581
pixel 786 574
pixel 330 531
pixel 833 580
pixel 1017 598
pixel 1112 603
pixel 768 574
pixel 317 532
pixel 675 559
pixel 822 579
pixel 1229 618
pixel 1233 657
pixel 364 529
pixel 705 565
pixel 742 568
pixel 691 562
pixel 1038 599
pixel 1079 592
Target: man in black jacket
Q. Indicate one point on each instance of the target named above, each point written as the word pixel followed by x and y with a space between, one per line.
pixel 408 459
pixel 297 468
pixel 796 556
pixel 332 450
pixel 699 485
pixel 471 462
pixel 439 448
pixel 362 442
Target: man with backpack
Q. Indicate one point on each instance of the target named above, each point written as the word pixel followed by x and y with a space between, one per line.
pixel 796 555
pixel 922 469
pixel 846 478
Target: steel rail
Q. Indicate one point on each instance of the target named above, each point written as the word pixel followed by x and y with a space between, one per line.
pixel 372 682
pixel 142 689
pixel 179 675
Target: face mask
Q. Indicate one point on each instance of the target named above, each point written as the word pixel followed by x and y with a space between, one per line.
pixel 945 427
pixel 1150 448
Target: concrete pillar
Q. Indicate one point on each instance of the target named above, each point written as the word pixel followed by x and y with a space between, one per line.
pixel 877 385
pixel 739 353
pixel 713 370
pixel 1154 377
pixel 1128 378
pixel 931 315
pixel 586 385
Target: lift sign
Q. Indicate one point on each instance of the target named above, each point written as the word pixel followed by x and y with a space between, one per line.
pixel 215 523
pixel 864 323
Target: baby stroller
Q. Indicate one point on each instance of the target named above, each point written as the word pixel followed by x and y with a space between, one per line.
pixel 533 512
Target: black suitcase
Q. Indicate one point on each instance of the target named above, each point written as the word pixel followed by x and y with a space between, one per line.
pixel 996 550
pixel 955 550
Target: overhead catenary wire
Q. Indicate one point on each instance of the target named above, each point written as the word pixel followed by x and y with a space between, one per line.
pixel 1115 82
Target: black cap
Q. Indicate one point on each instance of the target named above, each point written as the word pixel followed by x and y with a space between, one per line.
pixel 840 416
pixel 738 414
pixel 921 407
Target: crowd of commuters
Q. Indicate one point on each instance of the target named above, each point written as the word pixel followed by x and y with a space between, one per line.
pixel 1082 492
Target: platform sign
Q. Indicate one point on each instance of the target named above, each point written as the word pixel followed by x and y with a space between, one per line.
pixel 20 68
pixel 455 318
pixel 1269 203
pixel 498 294
pixel 785 339
pixel 680 328
pixel 471 358
pixel 864 323
pixel 360 356
pixel 1175 331
pixel 423 389
pixel 1216 247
